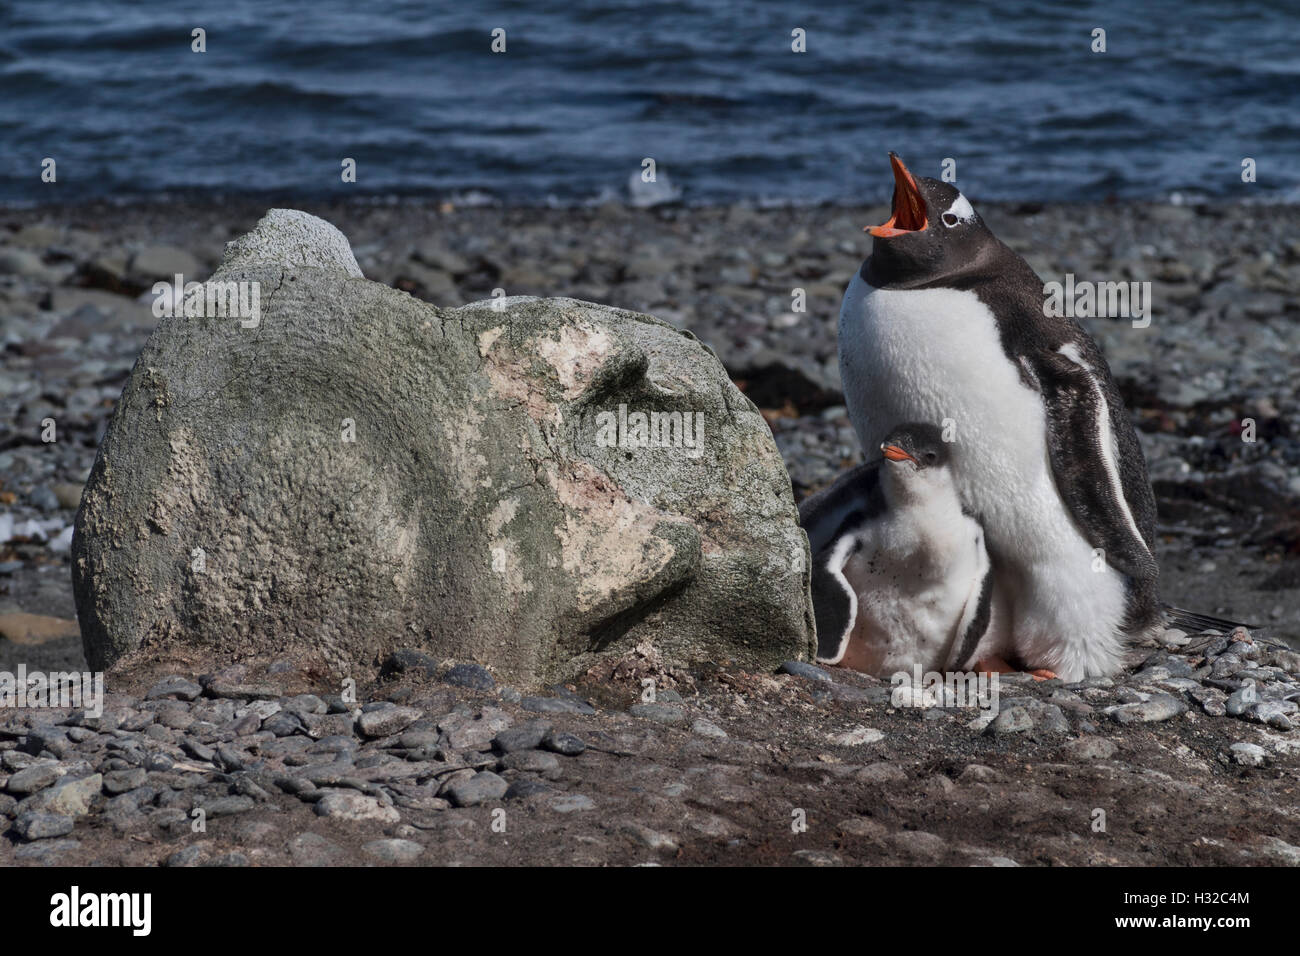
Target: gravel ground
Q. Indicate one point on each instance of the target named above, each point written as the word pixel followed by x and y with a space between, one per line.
pixel 876 783
pixel 1192 759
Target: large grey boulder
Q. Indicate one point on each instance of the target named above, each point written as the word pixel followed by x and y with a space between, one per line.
pixel 353 470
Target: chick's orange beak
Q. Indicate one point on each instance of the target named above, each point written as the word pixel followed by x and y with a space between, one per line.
pixel 909 208
pixel 894 453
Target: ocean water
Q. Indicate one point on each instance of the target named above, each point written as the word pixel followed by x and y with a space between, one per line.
pixel 711 91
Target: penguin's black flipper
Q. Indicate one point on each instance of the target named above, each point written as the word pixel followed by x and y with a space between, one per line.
pixel 835 606
pixel 828 518
pixel 1194 623
pixel 1111 501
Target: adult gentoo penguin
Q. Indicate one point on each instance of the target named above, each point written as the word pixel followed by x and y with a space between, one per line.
pixel 945 323
pixel 900 574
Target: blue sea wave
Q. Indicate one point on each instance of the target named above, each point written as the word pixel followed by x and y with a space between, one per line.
pixel 712 91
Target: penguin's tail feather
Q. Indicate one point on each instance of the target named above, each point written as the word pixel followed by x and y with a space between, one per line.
pixel 1193 623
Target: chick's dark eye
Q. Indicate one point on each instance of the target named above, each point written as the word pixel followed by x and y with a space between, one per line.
pixel 931 457
pixel 949 219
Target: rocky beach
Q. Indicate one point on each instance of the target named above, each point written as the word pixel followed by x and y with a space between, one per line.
pixel 1194 755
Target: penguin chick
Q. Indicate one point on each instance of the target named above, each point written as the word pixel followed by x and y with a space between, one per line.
pixel 900 572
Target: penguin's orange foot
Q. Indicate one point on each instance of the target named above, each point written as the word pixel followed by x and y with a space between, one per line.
pixel 996 665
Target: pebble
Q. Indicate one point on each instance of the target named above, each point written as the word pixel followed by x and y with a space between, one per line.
pixel 228 759
pixel 669 714
pixel 1130 695
pixel 386 722
pixel 483 787
pixel 920 845
pixel 707 728
pixel 337 744
pixel 473 735
pixel 1242 700
pixel 53 740
pixel 409 660
pixel 1278 849
pixel 808 671
pixel 1274 713
pixel 305 704
pixel 856 737
pixel 882 772
pixel 393 850
pixel 261 709
pixel 322 726
pixel 294 785
pixel 817 858
pixel 1028 716
pixel 650 839
pixel 1248 755
pixel 350 805
pixel 34 778
pixel 526 787
pixel 199 750
pixel 863 827
pixel 189 856
pixel 284 724
pixel 1158 707
pixel 471 676
pixel 527 736
pixel 1156 673
pixel 532 761
pixel 15 760
pixel 564 744
pixel 71 797
pixel 176 687
pixel 572 803
pixel 1173 637
pixel 1212 701
pixel 41 825
pixel 121 781
pixel 1090 748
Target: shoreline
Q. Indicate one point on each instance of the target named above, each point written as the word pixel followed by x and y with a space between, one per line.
pixel 471 199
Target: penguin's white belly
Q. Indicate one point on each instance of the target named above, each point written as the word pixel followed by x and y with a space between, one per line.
pixel 912 590
pixel 934 355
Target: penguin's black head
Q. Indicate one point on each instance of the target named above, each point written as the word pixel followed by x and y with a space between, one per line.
pixel 933 232
pixel 918 443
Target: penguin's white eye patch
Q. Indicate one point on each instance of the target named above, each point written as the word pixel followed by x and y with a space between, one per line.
pixel 960 211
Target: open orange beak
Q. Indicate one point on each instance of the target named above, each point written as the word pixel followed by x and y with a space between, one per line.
pixel 894 453
pixel 909 209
